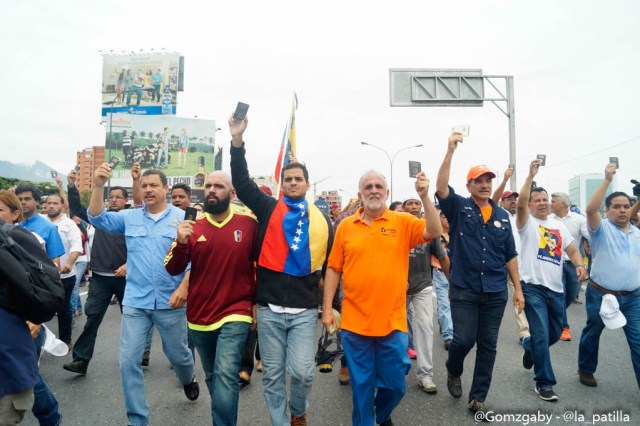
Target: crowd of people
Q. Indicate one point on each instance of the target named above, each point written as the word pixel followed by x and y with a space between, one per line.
pixel 235 279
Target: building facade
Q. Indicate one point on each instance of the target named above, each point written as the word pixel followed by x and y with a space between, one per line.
pixel 582 187
pixel 88 160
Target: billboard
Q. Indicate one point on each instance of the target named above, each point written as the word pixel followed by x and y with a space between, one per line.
pixel 145 84
pixel 183 148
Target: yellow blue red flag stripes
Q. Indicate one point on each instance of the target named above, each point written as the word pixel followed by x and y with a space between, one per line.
pixel 288 145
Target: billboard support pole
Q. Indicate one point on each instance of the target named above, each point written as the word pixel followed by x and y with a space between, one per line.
pixel 511 114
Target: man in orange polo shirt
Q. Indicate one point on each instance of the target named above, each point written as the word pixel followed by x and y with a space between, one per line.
pixel 371 255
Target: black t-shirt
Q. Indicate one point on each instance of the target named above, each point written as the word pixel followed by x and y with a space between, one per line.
pixel 420 265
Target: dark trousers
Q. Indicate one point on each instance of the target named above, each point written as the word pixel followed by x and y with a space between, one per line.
pixel 476 321
pixel 65 314
pixel 250 348
pixel 101 290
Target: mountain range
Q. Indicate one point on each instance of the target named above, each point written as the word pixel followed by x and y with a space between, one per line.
pixel 35 171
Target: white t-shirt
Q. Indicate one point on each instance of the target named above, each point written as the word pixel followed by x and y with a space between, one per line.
pixel 543 243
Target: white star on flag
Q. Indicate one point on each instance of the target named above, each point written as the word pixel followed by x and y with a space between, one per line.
pixel 296 239
pixel 294 247
pixel 299 231
pixel 301 206
pixel 299 223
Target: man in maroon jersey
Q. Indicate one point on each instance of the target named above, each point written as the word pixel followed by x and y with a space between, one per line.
pixel 222 247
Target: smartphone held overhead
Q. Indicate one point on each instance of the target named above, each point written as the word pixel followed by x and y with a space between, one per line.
pixel 114 162
pixel 614 161
pixel 542 158
pixel 415 167
pixel 241 111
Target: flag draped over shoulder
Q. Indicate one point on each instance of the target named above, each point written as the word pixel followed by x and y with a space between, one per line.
pixel 296 241
pixel 288 146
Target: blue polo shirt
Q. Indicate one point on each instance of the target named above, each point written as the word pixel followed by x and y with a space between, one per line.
pixel 615 254
pixel 149 285
pixel 48 232
pixel 479 251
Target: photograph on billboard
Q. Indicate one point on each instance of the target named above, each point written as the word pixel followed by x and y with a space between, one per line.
pixel 183 148
pixel 145 84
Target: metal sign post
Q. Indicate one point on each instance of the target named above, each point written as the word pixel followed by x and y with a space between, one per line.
pixel 428 87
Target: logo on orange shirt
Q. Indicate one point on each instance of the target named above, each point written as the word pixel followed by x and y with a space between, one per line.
pixel 386 232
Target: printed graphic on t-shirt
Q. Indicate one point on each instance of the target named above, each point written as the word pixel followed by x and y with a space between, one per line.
pixel 550 246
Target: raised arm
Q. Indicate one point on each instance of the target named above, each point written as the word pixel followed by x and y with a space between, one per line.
pixel 432 225
pixel 442 183
pixel 75 205
pixel 136 189
pixel 523 199
pixel 500 189
pixel 593 215
pixel 63 196
pixel 100 177
pixel 248 192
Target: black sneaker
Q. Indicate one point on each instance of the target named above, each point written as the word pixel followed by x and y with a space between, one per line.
pixel 546 394
pixel 192 390
pixel 145 359
pixel 527 360
pixel 454 385
pixel 387 422
pixel 78 366
pixel 587 379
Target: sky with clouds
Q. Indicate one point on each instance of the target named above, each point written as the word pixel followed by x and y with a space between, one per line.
pixel 574 65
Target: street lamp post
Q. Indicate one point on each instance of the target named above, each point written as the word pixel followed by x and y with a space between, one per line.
pixel 391 160
pixel 317 182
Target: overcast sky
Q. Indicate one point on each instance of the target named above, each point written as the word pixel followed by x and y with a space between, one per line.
pixel 575 65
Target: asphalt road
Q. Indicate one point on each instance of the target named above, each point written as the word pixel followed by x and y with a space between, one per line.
pixel 96 399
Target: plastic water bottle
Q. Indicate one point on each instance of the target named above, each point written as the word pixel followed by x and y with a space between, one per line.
pixel 167 101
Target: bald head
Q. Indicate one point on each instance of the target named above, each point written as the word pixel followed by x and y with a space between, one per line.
pixel 220 175
pixel 218 193
pixel 371 173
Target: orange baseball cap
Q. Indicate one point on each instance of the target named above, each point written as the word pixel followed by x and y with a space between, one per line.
pixel 479 170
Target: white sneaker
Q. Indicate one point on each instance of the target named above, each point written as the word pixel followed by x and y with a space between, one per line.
pixel 428 385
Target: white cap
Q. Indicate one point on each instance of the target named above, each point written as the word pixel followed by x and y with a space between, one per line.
pixel 410 197
pixel 610 312
pixel 53 345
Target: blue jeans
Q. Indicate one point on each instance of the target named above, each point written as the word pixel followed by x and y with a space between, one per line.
pixel 101 290
pixel 376 362
pixel 76 304
pixel 441 284
pixel 220 352
pixel 163 156
pixel 590 339
pixel 287 345
pixel 476 321
pixel 544 309
pixel 172 326
pixel 138 90
pixel 45 406
pixel 571 288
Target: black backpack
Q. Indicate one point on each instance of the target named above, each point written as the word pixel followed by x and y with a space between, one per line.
pixel 30 282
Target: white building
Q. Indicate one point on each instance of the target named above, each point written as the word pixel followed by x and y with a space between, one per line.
pixel 582 187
